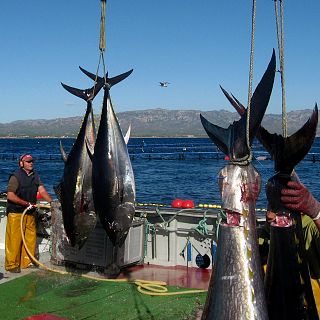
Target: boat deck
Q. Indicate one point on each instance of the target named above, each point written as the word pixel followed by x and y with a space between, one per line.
pixel 179 276
pixel 42 295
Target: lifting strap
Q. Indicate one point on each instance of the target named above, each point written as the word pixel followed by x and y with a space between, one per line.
pixel 102 44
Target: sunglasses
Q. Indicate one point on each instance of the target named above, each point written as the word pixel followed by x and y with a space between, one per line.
pixel 29 161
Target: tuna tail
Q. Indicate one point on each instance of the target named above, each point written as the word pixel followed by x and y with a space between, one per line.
pixel 232 141
pixel 286 152
pixel 127 136
pixel 85 94
pixel 108 81
pixel 63 153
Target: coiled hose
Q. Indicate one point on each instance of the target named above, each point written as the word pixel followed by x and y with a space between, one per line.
pixel 153 288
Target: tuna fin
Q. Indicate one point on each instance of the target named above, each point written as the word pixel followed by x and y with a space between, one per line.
pixel 91 75
pixel 260 98
pixel 117 79
pixel 242 108
pixel 288 152
pixel 234 102
pixel 218 135
pixel 127 136
pixel 63 153
pixel 57 190
pixel 232 141
pixel 110 81
pixel 85 94
pixel 90 148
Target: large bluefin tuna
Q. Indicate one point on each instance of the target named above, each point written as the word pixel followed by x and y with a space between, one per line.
pixel 288 286
pixel 75 188
pixel 113 180
pixel 236 287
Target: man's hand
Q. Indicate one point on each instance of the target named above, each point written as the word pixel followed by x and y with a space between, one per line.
pixel 298 198
pixel 31 206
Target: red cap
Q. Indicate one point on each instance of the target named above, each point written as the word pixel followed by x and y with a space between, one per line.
pixel 26 157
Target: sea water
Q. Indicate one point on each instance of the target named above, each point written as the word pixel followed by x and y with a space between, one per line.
pixel 164 168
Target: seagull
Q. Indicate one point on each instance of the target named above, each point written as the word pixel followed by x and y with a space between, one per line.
pixel 164 84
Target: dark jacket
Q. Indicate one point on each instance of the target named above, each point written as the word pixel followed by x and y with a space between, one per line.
pixel 27 190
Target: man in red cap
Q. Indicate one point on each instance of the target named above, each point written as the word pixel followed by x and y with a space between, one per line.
pixel 23 186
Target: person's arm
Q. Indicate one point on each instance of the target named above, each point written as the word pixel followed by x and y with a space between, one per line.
pixel 13 185
pixel 297 197
pixel 15 199
pixel 44 194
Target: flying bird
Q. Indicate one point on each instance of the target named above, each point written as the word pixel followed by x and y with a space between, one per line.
pixel 164 84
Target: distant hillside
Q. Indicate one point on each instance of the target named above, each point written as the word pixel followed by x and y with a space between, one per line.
pixel 148 123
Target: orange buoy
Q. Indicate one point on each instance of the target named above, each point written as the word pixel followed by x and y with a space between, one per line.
pixel 176 203
pixel 187 204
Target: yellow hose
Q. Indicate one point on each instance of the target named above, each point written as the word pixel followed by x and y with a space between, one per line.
pixel 154 288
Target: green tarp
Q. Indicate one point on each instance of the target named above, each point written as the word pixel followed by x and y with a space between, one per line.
pixel 78 298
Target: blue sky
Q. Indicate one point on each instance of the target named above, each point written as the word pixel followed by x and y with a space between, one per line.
pixel 195 45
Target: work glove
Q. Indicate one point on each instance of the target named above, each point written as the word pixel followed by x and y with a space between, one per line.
pixel 298 198
pixel 31 206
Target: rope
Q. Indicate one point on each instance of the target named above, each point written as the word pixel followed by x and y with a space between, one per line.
pixel 154 288
pixel 220 218
pixel 102 44
pixel 247 158
pixel 253 26
pixel 166 222
pixel 202 226
pixel 253 22
pixel 280 37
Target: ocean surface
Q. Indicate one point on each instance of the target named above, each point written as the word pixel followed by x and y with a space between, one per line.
pixel 164 168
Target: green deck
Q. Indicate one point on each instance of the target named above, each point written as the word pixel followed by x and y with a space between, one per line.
pixel 78 298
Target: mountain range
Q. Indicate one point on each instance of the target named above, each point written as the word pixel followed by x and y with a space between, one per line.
pixel 151 123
